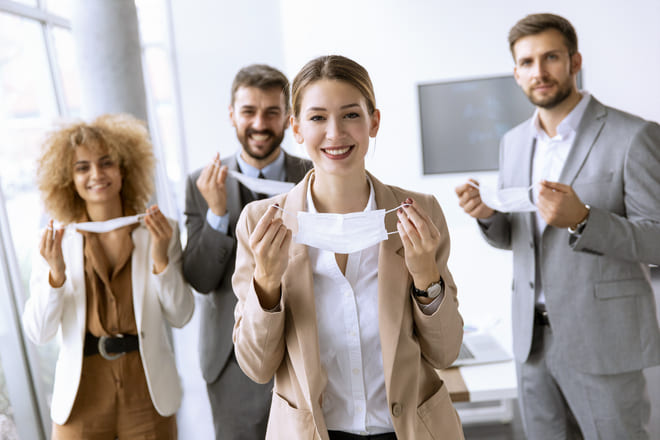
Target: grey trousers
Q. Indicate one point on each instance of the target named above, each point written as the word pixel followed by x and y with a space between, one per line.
pixel 239 406
pixel 559 402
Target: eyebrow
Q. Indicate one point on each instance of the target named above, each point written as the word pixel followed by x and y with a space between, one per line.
pixel 107 156
pixel 316 109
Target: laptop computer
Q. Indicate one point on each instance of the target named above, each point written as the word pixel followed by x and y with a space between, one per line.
pixel 480 348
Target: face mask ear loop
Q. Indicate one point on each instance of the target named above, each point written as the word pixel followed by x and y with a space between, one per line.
pixel 394 209
pixel 283 210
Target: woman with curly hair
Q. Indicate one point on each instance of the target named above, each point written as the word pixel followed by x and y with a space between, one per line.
pixel 110 293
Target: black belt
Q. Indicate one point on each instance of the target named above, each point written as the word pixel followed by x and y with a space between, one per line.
pixel 340 435
pixel 541 316
pixel 110 347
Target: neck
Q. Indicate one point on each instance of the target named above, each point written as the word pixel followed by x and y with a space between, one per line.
pixel 98 212
pixel 340 194
pixel 550 118
pixel 261 163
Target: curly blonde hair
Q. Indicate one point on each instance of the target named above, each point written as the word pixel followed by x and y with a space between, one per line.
pixel 124 138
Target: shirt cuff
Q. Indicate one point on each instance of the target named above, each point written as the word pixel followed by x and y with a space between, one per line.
pixel 430 308
pixel 220 224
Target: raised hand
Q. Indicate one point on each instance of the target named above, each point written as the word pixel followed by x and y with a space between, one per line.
pixel 161 233
pixel 50 248
pixel 421 240
pixel 269 243
pixel 559 205
pixel 211 184
pixel 469 199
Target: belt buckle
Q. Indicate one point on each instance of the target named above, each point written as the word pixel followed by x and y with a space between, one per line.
pixel 104 354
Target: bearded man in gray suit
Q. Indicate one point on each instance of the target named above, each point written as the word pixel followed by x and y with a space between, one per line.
pixel 584 320
pixel 259 111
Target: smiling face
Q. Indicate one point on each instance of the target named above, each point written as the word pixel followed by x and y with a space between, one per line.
pixel 335 126
pixel 260 119
pixel 96 176
pixel 544 69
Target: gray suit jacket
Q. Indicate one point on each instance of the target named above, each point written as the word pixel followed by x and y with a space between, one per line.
pixel 208 264
pixel 597 286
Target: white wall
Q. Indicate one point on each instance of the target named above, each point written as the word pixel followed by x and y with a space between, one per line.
pixel 403 44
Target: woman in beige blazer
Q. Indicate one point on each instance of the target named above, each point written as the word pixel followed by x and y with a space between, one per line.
pixel 110 294
pixel 351 321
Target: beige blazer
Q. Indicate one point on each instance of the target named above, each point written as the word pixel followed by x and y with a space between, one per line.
pixel 284 344
pixel 158 301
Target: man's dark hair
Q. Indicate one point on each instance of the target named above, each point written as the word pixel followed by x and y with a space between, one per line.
pixel 262 77
pixel 536 23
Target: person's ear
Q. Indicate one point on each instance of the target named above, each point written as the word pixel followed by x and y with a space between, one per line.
pixel 295 128
pixel 231 116
pixel 375 123
pixel 576 63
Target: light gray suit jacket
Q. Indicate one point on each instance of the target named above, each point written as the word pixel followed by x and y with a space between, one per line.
pixel 597 285
pixel 208 264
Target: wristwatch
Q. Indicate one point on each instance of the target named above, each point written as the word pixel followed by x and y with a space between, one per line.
pixel 577 229
pixel 433 291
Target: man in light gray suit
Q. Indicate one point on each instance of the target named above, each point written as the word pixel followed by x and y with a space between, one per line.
pixel 259 111
pixel 584 321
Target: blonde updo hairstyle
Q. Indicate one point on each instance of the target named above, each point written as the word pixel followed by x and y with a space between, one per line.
pixel 123 137
pixel 334 67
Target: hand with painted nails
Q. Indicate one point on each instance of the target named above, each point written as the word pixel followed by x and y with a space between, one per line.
pixel 211 184
pixel 469 198
pixel 421 240
pixel 270 243
pixel 50 248
pixel 161 233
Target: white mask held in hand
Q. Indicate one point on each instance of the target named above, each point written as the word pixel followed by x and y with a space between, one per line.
pixel 516 199
pixel 108 225
pixel 342 233
pixel 262 186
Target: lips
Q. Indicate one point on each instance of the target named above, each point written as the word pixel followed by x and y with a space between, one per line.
pixel 337 153
pixel 260 136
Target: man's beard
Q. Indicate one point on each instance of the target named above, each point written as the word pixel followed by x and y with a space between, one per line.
pixel 550 102
pixel 275 141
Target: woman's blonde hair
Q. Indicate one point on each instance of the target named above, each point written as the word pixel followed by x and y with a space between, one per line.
pixel 124 138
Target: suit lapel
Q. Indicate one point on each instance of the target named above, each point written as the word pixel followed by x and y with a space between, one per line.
pixel 298 284
pixel 587 134
pixel 233 192
pixel 393 279
pixel 140 273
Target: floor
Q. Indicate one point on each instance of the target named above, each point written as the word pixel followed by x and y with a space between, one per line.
pixel 195 420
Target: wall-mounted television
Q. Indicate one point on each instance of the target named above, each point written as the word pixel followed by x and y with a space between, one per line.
pixel 462 121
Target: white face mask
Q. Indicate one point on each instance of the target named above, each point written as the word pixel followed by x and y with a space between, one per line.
pixel 108 225
pixel 262 186
pixel 507 199
pixel 342 233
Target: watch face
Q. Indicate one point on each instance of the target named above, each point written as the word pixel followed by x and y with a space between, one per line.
pixel 434 290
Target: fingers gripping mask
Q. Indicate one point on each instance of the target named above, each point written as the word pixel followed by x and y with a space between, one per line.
pixel 342 233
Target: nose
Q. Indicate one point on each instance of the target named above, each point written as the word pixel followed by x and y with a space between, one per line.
pixel 259 122
pixel 333 129
pixel 538 70
pixel 94 170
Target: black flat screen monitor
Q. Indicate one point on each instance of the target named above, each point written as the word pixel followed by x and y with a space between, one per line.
pixel 462 122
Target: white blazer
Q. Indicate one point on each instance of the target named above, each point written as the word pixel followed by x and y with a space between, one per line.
pixel 157 300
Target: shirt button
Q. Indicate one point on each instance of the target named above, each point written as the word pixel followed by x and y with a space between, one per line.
pixel 531 244
pixel 397 409
pixel 531 285
pixel 358 409
pixel 356 371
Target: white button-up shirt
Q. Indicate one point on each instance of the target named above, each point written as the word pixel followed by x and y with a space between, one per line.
pixel 355 399
pixel 549 158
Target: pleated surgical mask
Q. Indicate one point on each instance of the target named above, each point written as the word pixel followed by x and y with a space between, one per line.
pixel 342 233
pixel 262 186
pixel 108 225
pixel 515 199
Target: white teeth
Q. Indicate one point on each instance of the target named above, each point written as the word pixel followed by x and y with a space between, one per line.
pixel 337 151
pixel 260 137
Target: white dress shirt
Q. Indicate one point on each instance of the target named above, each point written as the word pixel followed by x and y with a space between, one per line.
pixel 355 399
pixel 550 155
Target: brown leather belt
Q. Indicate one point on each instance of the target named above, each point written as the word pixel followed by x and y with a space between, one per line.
pixel 110 347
